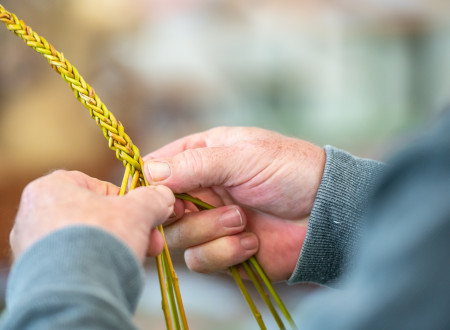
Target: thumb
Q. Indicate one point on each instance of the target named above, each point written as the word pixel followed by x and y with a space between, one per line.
pixel 195 168
pixel 153 204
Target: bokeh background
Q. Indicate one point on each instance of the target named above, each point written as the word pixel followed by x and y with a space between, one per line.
pixel 358 74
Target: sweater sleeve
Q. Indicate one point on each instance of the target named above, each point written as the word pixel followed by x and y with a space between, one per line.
pixel 335 220
pixel 76 278
pixel 401 275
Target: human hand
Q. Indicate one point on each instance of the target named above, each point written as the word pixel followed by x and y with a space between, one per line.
pixel 63 199
pixel 266 184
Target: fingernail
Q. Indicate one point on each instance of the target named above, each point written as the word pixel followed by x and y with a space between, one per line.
pixel 231 218
pixel 158 171
pixel 249 242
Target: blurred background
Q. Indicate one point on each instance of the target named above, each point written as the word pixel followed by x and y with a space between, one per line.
pixel 357 74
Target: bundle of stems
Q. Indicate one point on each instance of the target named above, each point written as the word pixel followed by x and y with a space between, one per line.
pixel 128 153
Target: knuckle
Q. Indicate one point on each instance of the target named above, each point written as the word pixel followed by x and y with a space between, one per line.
pixel 233 250
pixel 216 256
pixel 60 173
pixel 64 175
pixel 217 130
pixel 193 161
pixel 32 190
pixel 221 130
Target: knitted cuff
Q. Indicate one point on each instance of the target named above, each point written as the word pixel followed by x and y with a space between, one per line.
pixel 336 218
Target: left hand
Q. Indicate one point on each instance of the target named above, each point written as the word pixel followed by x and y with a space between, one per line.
pixel 63 199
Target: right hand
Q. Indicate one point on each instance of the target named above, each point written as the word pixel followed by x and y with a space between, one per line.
pixel 270 180
pixel 62 199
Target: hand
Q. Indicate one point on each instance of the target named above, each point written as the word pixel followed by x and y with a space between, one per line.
pixel 63 199
pixel 266 184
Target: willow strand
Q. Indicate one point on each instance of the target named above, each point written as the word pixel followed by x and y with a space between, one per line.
pixel 235 273
pixel 272 291
pixel 176 287
pixel 164 298
pixel 171 293
pixel 251 273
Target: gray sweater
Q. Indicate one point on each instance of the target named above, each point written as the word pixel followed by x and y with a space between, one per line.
pixel 387 254
pixel 336 219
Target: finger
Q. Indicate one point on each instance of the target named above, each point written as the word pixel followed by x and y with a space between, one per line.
pixel 178 211
pixel 84 181
pixel 203 167
pixel 102 187
pixel 218 136
pixel 153 203
pixel 156 243
pixel 196 228
pixel 188 142
pixel 222 253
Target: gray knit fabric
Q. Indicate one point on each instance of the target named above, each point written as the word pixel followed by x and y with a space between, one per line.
pixel 335 220
pixel 75 278
pixel 401 276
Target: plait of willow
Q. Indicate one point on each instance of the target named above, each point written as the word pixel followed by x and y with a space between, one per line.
pixel 129 155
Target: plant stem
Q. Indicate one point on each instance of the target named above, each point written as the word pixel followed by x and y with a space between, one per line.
pixel 176 286
pixel 250 272
pixel 164 301
pixel 272 291
pixel 256 313
pixel 170 291
pixel 126 176
pixel 198 202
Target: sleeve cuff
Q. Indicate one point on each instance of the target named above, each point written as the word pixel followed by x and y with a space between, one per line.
pixel 335 220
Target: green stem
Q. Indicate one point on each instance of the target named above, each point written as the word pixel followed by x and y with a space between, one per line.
pixel 176 287
pixel 164 301
pixel 170 291
pixel 272 291
pixel 256 313
pixel 198 202
pixel 251 273
pixel 205 206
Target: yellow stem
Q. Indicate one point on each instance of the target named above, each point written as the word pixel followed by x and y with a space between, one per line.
pixel 234 272
pixel 176 287
pixel 170 291
pixel 250 272
pixel 271 289
pixel 164 300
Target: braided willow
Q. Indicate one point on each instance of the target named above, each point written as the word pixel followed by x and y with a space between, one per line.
pixel 129 154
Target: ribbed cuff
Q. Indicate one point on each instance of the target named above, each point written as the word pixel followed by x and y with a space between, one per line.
pixel 336 218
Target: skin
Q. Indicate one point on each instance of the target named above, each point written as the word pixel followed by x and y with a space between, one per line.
pixel 62 199
pixel 266 181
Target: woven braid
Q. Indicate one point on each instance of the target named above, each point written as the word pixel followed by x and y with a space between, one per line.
pixel 112 129
pixel 118 141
